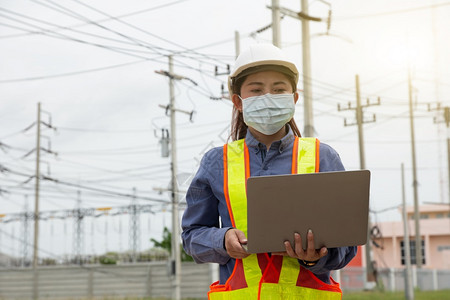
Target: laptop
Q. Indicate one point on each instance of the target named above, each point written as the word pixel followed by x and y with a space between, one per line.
pixel 334 205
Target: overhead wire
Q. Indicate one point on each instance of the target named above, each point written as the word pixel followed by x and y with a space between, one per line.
pixel 107 47
pixel 108 19
pixel 140 29
pixel 137 41
pixel 103 191
pixel 388 13
pixel 66 37
pixel 69 12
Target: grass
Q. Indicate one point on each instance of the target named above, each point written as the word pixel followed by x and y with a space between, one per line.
pixel 419 295
pixel 367 295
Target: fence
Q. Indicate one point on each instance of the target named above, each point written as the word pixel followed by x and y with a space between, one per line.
pixel 104 281
pixel 353 279
pixel 152 280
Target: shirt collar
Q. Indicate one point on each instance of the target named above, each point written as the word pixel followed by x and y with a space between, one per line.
pixel 282 144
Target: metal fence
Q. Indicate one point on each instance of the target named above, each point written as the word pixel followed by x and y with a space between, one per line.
pixel 153 280
pixel 353 279
pixel 104 281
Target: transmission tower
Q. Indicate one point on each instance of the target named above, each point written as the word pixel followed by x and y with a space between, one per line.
pixel 134 227
pixel 78 231
pixel 25 233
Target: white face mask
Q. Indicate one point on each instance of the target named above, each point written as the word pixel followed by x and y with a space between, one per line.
pixel 268 113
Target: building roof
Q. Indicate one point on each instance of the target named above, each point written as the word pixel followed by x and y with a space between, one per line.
pixel 430 227
pixel 438 208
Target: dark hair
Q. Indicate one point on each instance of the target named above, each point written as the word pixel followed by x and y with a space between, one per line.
pixel 238 127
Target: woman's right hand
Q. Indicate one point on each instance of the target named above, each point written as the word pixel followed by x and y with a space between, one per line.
pixel 234 239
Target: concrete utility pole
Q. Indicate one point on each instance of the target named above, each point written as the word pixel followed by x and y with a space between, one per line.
pixel 307 87
pixel 36 205
pixel 176 253
pixel 276 17
pixel 25 233
pixel 176 256
pixel 415 183
pixel 237 43
pixel 447 123
pixel 359 122
pixel 409 288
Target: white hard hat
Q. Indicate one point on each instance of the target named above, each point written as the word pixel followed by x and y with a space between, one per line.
pixel 259 55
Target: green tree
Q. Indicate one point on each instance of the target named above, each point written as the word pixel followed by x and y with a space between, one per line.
pixel 166 243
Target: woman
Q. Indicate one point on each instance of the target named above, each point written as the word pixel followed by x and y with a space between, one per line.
pixel 266 141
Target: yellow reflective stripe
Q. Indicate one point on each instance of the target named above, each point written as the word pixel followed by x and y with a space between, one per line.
pixel 274 291
pixel 306 155
pixel 236 184
pixel 289 271
pixel 251 270
pixel 238 202
pixel 249 293
pixel 306 164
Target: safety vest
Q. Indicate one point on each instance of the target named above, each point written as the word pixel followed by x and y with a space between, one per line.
pixel 261 276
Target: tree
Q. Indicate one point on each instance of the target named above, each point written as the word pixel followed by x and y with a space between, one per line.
pixel 166 243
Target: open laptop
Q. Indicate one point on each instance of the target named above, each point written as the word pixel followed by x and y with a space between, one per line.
pixel 334 205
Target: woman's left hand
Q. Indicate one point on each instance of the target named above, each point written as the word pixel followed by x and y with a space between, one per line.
pixel 308 254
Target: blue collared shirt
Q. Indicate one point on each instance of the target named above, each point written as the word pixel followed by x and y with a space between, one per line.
pixel 206 218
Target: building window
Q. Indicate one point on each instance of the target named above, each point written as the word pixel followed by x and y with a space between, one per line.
pixel 439 215
pixel 424 216
pixel 412 247
pixel 443 248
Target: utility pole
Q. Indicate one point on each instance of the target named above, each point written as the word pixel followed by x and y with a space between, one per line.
pixel 25 233
pixel 175 265
pixel 276 17
pixel 237 43
pixel 418 239
pixel 446 116
pixel 176 256
pixel 36 205
pixel 409 289
pixel 359 122
pixel 176 253
pixel 434 21
pixel 307 87
pixel 306 57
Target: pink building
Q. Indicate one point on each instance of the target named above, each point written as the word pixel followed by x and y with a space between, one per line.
pixel 434 230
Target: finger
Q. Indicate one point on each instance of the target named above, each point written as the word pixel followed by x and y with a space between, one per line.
pixel 289 249
pixel 241 237
pixel 310 245
pixel 323 251
pixel 233 244
pixel 298 245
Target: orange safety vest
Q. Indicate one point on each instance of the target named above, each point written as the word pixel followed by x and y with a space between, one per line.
pixel 260 276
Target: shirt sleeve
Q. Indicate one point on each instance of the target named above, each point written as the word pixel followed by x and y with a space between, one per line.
pixel 203 239
pixel 337 258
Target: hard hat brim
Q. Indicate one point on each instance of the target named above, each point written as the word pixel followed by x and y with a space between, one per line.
pixel 284 67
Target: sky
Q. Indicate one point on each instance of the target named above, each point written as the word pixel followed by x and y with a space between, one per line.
pixel 92 67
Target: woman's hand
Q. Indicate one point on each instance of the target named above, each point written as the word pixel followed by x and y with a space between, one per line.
pixel 234 239
pixel 308 254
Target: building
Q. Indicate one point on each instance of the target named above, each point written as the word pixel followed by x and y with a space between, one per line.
pixel 388 247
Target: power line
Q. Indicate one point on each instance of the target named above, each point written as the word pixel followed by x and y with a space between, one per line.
pixel 48 178
pixel 104 20
pixel 381 14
